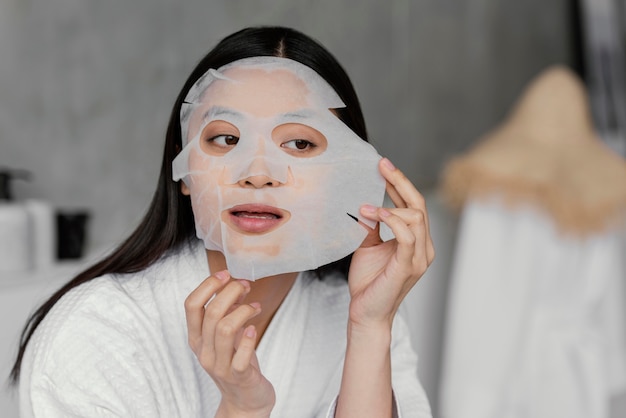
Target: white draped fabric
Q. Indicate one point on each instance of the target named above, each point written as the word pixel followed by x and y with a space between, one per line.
pixel 535 324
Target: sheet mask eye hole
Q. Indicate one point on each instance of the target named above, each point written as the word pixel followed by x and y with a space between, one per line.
pixel 219 137
pixel 299 140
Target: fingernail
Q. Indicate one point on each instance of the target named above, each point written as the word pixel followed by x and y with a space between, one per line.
pixel 245 284
pixel 388 164
pixel 250 332
pixel 384 213
pixel 222 275
pixel 368 209
pixel 255 305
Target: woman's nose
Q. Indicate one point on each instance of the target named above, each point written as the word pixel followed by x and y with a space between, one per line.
pixel 258 175
pixel 258 181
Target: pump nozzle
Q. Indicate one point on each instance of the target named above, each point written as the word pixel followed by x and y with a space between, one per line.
pixel 6 175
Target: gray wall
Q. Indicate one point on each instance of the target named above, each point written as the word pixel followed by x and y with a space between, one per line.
pixel 86 85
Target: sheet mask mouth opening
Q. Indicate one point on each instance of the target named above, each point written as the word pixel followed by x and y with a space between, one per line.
pixel 255 219
pixel 258 210
pixel 256 215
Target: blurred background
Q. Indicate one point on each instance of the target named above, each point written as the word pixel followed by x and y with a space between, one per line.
pixel 86 88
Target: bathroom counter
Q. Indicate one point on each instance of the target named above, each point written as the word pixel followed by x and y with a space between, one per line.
pixel 40 277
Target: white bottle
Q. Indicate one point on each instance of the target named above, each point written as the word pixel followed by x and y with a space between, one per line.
pixel 14 230
pixel 42 233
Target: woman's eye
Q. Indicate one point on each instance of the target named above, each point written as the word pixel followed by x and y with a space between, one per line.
pixel 298 140
pixel 219 137
pixel 224 140
pixel 299 144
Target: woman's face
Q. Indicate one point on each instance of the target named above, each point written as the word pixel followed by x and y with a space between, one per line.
pixel 266 163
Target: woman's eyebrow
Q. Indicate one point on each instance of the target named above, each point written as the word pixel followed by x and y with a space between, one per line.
pixel 214 111
pixel 300 114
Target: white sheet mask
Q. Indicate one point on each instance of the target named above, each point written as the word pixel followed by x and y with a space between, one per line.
pixel 275 178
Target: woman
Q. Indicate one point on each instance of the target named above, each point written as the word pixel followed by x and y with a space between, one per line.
pixel 142 334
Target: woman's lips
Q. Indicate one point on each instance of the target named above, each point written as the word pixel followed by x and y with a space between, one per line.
pixel 255 218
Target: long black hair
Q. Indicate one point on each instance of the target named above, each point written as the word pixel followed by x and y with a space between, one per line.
pixel 168 222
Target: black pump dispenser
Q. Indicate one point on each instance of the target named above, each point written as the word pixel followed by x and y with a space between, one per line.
pixel 6 176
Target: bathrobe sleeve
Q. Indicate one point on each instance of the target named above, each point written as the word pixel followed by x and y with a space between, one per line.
pixel 409 397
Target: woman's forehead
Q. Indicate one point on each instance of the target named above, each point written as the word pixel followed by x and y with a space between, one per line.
pixel 259 92
pixel 259 87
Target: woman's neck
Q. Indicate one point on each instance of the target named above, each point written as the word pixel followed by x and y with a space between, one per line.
pixel 269 292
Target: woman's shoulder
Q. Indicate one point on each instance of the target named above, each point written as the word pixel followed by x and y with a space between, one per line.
pixel 119 306
pixel 96 334
pixel 91 313
pixel 83 332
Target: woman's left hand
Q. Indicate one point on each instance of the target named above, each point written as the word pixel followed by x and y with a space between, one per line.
pixel 383 273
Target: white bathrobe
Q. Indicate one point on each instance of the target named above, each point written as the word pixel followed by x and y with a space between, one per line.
pixel 117 347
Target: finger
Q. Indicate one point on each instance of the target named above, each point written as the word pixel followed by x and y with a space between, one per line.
pixel 219 306
pixel 227 331
pixel 409 216
pixel 418 228
pixel 394 195
pixel 237 303
pixel 373 234
pixel 404 237
pixel 196 301
pixel 399 188
pixel 373 213
pixel 245 351
pixel 404 194
pixel 417 222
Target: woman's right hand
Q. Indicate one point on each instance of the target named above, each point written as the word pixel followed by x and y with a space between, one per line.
pixel 216 316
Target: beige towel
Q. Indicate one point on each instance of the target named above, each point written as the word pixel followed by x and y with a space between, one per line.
pixel 546 153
